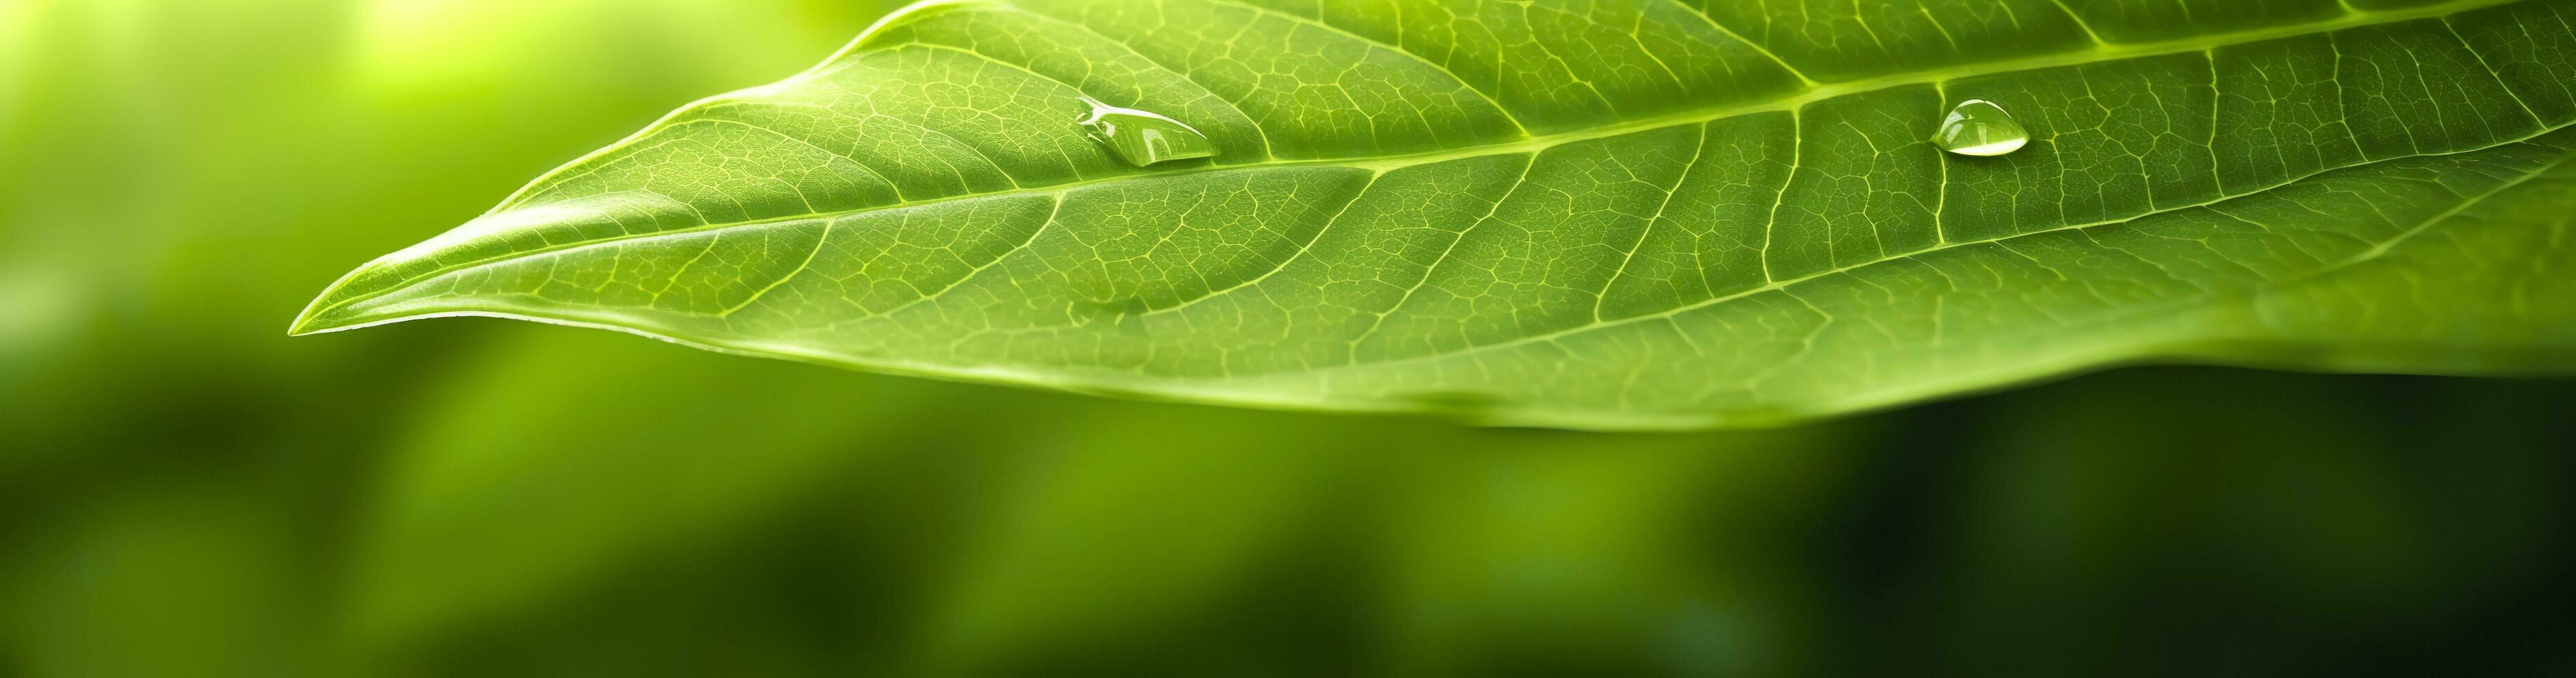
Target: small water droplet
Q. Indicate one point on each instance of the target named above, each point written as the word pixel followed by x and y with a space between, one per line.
pixel 1981 128
pixel 1144 137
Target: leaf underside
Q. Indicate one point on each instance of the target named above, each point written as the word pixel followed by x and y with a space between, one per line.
pixel 1599 214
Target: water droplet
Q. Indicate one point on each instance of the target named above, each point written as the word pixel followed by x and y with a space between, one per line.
pixel 1981 128
pixel 1144 137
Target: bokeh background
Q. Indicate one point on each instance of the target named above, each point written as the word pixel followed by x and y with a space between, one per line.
pixel 184 491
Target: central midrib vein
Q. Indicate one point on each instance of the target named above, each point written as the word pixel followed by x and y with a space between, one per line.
pixel 1532 144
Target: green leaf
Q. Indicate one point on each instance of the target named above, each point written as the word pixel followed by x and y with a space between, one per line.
pixel 1610 214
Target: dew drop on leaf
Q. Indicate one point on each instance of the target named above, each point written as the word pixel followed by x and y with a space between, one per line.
pixel 1979 127
pixel 1144 137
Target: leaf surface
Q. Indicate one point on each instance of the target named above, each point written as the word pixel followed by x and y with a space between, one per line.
pixel 1606 214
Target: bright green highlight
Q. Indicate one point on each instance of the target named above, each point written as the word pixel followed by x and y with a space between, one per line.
pixel 1726 213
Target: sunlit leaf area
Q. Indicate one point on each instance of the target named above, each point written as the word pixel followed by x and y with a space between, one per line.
pixel 186 490
pixel 1423 206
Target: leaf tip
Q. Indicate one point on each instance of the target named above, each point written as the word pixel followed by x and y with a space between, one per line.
pixel 313 321
pixel 309 323
pixel 328 310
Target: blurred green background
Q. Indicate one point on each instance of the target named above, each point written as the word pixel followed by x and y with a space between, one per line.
pixel 184 491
